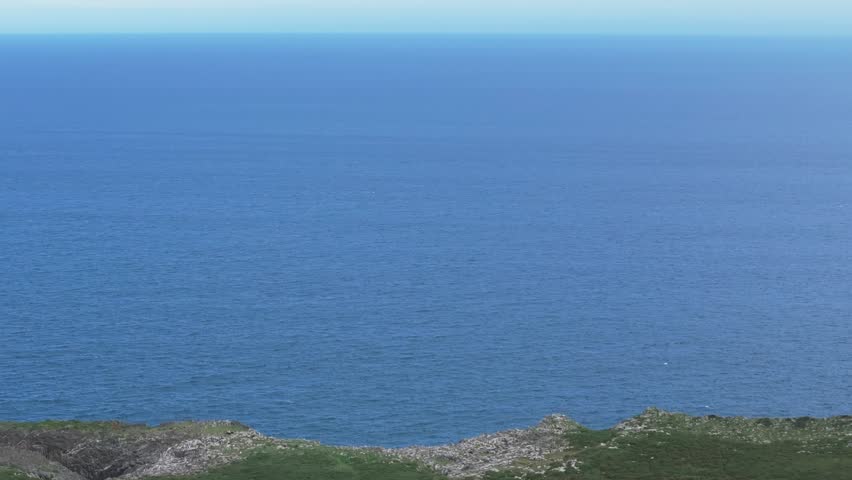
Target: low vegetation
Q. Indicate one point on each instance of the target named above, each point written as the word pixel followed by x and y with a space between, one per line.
pixel 117 427
pixel 314 462
pixel 655 445
pixel 663 446
pixel 7 473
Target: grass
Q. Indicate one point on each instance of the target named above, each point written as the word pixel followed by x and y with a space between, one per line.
pixel 312 462
pixel 666 453
pixel 758 430
pixel 115 426
pixel 678 447
pixel 11 474
pixel 69 425
pixel 661 456
pixel 655 445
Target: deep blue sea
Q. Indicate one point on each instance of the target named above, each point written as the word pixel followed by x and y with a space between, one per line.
pixel 412 239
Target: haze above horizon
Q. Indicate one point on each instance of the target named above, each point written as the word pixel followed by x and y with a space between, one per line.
pixel 664 17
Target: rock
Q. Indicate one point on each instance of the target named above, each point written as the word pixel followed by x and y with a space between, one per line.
pixel 35 464
pixel 476 456
pixel 126 451
pixel 194 455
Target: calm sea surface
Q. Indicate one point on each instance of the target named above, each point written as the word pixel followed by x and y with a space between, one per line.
pixel 398 240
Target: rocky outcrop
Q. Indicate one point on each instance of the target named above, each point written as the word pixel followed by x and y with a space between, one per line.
pixel 197 454
pixel 555 448
pixel 114 450
pixel 475 456
pixel 35 464
pixel 103 451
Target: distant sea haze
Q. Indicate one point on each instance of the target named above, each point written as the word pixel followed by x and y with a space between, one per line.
pixel 397 240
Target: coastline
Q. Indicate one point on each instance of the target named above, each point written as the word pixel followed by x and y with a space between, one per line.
pixel 654 444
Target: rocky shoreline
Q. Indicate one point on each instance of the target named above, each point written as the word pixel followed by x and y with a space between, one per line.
pixel 557 447
pixel 103 450
pixel 495 451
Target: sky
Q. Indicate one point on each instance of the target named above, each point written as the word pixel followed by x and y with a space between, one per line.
pixel 713 17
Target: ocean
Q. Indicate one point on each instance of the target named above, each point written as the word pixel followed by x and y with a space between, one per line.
pixel 412 239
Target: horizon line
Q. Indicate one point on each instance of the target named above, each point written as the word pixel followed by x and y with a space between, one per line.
pixel 810 35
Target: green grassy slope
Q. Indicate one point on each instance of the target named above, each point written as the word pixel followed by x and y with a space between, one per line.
pixel 663 446
pixel 314 462
pixel 116 427
pixel 655 445
pixel 7 473
pixel 681 456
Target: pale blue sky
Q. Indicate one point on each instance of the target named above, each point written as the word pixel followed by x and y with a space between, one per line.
pixel 739 17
